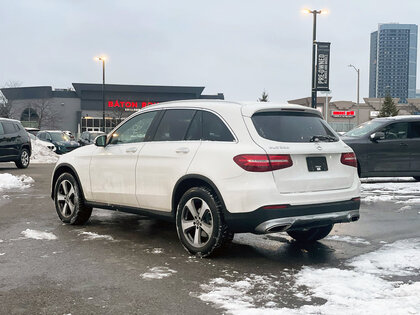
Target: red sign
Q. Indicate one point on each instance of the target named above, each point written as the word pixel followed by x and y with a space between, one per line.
pixel 346 114
pixel 128 104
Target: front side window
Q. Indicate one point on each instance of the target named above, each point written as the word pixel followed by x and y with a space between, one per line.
pixel 133 130
pixel 396 131
pixel 174 125
pixel 292 127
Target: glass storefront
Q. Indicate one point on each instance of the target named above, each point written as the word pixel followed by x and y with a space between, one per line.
pixel 95 123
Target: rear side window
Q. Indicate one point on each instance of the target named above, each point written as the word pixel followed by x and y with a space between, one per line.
pixel 414 131
pixel 8 128
pixel 291 126
pixel 174 125
pixel 214 128
pixel 195 129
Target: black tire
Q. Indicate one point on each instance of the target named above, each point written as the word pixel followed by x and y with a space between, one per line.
pixel 187 226
pixel 311 235
pixel 70 205
pixel 417 178
pixel 24 159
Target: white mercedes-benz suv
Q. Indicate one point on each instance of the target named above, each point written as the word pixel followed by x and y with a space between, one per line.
pixel 216 168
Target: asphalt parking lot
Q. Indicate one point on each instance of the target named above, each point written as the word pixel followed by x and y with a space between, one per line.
pixel 126 264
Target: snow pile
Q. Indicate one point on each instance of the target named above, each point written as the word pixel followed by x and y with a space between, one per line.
pixel 158 273
pixel 41 153
pixel 95 236
pixel 399 190
pixel 366 288
pixel 38 235
pixel 9 181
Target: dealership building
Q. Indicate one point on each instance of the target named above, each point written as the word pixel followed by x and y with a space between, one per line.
pixel 80 108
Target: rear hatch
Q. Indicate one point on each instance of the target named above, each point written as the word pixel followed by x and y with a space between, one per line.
pixel 314 148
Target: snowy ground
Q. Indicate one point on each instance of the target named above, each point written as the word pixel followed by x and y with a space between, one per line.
pixel 373 283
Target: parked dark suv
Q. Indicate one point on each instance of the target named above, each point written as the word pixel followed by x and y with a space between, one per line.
pixel 60 139
pixel 15 144
pixel 88 137
pixel 387 146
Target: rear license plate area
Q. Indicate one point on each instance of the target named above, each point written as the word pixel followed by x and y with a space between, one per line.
pixel 317 164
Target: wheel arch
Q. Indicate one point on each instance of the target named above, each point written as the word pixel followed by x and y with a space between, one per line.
pixel 61 169
pixel 193 180
pixel 27 147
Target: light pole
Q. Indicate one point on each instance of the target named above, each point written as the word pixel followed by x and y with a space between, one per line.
pixel 358 87
pixel 313 89
pixel 102 58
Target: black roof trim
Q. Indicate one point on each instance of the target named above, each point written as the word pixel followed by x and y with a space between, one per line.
pixel 79 87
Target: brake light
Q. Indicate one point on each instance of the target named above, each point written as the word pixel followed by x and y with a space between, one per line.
pixel 263 162
pixel 349 159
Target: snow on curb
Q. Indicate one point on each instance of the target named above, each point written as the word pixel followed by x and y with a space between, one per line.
pixel 366 288
pixel 398 190
pixel 9 181
pixel 42 154
pixel 38 235
pixel 158 273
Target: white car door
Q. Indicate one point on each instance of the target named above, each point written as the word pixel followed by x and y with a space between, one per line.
pixel 112 168
pixel 166 158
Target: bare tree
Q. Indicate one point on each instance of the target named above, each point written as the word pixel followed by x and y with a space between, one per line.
pixel 48 113
pixel 6 106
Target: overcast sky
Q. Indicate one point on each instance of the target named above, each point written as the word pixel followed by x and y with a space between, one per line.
pixel 235 47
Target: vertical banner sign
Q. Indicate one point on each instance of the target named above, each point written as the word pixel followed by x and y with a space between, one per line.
pixel 323 66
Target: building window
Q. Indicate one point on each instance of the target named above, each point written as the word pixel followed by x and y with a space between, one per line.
pixel 29 118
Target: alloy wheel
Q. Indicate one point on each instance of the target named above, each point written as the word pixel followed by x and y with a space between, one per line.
pixel 24 158
pixel 66 198
pixel 197 222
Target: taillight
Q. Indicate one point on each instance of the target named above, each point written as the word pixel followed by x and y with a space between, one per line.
pixel 349 159
pixel 263 162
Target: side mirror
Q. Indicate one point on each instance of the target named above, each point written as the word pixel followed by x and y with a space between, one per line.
pixel 100 141
pixel 377 136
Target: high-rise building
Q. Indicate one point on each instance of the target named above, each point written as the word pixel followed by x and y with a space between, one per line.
pixel 393 61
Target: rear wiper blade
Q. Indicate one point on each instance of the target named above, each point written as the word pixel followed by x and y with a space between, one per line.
pixel 318 138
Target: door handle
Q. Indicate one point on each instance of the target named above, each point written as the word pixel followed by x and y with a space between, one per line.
pixel 182 150
pixel 131 150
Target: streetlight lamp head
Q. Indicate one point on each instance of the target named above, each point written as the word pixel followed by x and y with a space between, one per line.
pixel 324 12
pixel 306 11
pixel 100 58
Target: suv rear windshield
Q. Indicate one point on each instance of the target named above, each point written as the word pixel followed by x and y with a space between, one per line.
pixel 292 127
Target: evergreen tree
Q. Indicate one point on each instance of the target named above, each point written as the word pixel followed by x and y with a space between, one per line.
pixel 264 97
pixel 388 108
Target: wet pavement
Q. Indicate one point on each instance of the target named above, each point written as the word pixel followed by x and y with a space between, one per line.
pixel 127 264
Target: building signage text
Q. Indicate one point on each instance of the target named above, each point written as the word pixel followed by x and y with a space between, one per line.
pixel 128 105
pixel 344 113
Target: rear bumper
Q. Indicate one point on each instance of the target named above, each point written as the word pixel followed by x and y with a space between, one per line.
pixel 294 217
